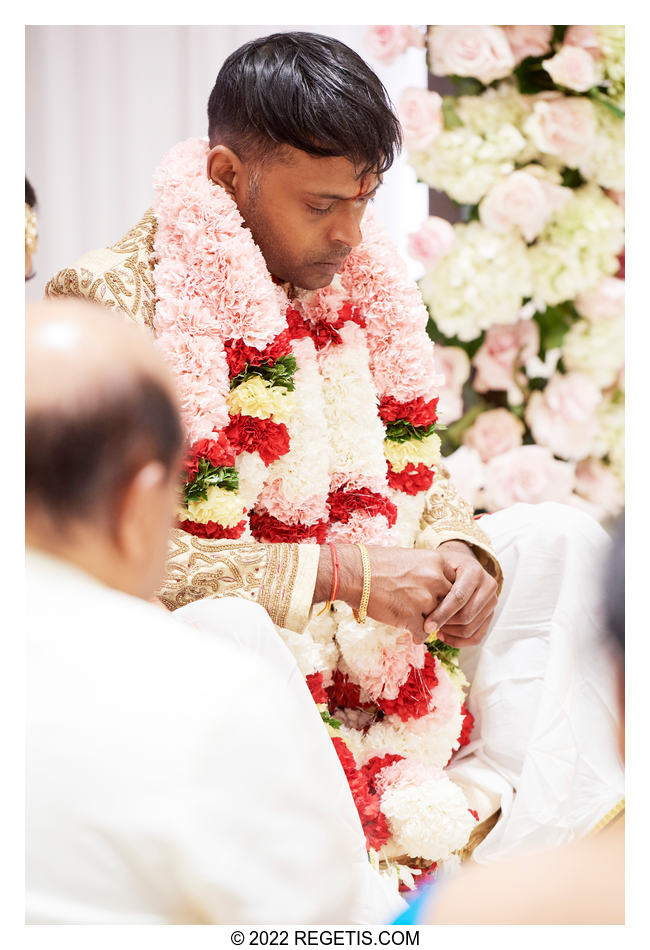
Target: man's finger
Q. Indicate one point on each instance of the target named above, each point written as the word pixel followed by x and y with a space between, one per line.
pixel 469 628
pixel 462 589
pixel 474 640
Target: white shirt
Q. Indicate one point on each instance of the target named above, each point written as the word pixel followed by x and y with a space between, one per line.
pixel 167 779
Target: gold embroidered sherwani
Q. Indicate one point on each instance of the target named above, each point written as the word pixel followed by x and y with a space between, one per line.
pixel 280 577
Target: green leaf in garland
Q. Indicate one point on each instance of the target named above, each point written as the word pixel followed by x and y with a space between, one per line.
pixel 279 373
pixel 329 720
pixel 207 477
pixel 402 431
pixel 447 655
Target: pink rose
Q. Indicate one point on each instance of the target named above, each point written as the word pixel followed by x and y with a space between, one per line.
pixel 505 348
pixel 435 238
pixel 482 52
pixel 563 416
pixel 386 43
pixel 585 37
pixel 572 68
pixel 528 41
pixel 596 483
pixel 605 301
pixel 467 473
pixel 618 197
pixel 420 113
pixel 494 432
pixel 564 126
pixel 453 363
pixel 527 474
pixel 523 201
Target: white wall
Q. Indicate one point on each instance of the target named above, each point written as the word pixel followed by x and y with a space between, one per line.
pixel 104 103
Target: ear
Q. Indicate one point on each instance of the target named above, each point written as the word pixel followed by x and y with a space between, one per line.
pixel 224 168
pixel 135 527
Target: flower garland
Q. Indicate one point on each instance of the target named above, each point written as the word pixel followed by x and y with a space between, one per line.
pixel 310 417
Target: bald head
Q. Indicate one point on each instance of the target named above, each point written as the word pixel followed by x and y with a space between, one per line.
pixel 100 404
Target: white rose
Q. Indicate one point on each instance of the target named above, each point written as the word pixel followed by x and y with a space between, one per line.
pixel 420 113
pixel 605 301
pixel 482 52
pixel 494 432
pixel 434 239
pixel 527 474
pixel 523 201
pixel 563 416
pixel 563 126
pixel 572 68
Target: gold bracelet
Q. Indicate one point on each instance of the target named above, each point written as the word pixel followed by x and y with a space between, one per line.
pixel 361 614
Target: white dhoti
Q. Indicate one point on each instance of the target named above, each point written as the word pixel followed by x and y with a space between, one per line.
pixel 543 694
pixel 543 686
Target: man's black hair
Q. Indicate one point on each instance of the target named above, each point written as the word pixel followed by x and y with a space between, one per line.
pixel 80 458
pixel 308 91
pixel 30 194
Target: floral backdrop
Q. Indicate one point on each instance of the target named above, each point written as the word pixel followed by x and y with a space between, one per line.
pixel 526 289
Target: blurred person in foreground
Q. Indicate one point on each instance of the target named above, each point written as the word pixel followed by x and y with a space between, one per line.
pixel 582 882
pixel 308 392
pixel 159 788
pixel 31 229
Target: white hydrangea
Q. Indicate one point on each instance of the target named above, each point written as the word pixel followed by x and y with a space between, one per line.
pixel 429 819
pixel 596 349
pixel 465 164
pixel 481 282
pixel 578 247
pixel 488 113
pixel 612 44
pixel 610 437
pixel 605 163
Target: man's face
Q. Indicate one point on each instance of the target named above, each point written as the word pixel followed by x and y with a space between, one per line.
pixel 304 213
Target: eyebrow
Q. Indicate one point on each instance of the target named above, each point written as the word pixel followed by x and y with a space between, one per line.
pixel 313 194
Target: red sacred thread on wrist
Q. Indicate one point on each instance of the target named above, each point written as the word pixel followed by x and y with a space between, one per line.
pixel 335 579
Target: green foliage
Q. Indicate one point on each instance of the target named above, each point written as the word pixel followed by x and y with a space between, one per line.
pixel 558 34
pixel 604 100
pixel 329 720
pixel 402 431
pixel 532 77
pixel 467 85
pixel 571 178
pixel 208 476
pixel 453 436
pixel 447 655
pixel 451 118
pixel 279 373
pixel 470 346
pixel 554 323
pixel 468 213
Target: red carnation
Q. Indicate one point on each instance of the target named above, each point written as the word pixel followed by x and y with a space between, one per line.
pixel 316 688
pixel 326 331
pixel 376 764
pixel 412 479
pixel 265 527
pixel 419 412
pixel 213 529
pixel 424 878
pixel 473 813
pixel 414 695
pixel 250 434
pixel 343 693
pixel 368 803
pixel 343 503
pixel 217 450
pixel 238 354
pixel 468 725
pixel 297 326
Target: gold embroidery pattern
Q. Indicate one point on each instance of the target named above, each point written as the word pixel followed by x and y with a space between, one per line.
pixel 200 567
pixel 451 517
pixel 128 285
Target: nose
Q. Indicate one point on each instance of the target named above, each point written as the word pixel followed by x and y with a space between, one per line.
pixel 346 226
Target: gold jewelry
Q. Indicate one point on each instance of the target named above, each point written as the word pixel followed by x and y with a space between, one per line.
pixel 361 614
pixel 31 230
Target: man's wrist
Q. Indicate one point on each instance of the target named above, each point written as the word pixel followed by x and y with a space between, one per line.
pixel 350 574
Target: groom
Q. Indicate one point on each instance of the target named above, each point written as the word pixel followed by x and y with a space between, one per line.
pixel 300 134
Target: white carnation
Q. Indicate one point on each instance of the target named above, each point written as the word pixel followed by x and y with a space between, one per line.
pixel 252 476
pixel 427 820
pixel 426 739
pixel 409 516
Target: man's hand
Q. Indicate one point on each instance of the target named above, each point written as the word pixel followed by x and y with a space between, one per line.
pixel 406 586
pixel 463 617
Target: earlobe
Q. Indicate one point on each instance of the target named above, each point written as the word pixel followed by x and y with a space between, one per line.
pixel 132 532
pixel 223 168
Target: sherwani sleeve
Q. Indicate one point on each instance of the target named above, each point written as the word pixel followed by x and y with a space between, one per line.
pixel 448 517
pixel 279 577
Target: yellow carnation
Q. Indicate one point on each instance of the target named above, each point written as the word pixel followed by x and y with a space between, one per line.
pixel 257 397
pixel 224 507
pixel 425 451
